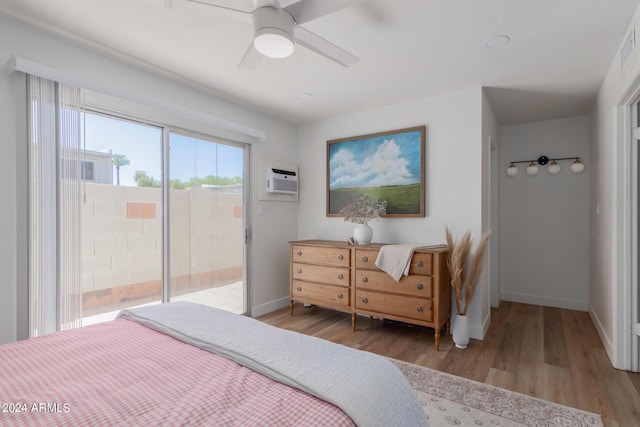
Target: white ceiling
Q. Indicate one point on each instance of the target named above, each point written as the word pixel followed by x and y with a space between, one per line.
pixel 559 53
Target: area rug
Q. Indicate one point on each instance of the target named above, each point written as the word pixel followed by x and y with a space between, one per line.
pixel 451 400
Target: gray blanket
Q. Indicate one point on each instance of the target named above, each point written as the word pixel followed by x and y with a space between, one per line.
pixel 367 387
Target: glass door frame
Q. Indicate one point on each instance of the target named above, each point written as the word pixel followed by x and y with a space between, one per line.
pixel 166 202
pixel 165 179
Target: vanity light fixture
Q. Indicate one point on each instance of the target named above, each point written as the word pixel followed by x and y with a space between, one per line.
pixel 554 168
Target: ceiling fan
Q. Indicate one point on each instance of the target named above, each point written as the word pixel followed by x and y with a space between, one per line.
pixel 277 30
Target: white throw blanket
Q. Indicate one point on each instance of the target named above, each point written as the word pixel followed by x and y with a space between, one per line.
pixel 395 260
pixel 367 387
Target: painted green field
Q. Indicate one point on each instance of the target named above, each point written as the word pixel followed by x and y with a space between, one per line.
pixel 401 199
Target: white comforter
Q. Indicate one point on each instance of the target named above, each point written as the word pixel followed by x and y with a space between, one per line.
pixel 369 388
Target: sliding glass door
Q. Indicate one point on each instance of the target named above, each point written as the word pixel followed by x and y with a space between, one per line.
pixel 125 213
pixel 206 206
pixel 122 219
pixel 122 216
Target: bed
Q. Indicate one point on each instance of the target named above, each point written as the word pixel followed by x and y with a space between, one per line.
pixel 187 364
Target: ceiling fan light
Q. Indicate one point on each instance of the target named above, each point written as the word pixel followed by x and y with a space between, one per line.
pixel 273 42
pixel 273 30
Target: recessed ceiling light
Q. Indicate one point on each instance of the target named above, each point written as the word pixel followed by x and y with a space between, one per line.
pixel 496 42
pixel 304 95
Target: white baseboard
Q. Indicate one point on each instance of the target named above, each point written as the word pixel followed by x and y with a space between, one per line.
pixel 262 309
pixel 546 301
pixel 606 340
pixel 478 331
pixel 475 332
pixel 486 323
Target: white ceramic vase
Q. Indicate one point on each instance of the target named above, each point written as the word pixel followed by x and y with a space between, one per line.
pixel 362 234
pixel 461 331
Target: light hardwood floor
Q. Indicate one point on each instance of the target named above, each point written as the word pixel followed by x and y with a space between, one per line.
pixel 550 353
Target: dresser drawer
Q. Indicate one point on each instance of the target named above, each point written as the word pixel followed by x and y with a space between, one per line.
pixel 421 286
pixel 421 263
pixel 332 295
pixel 397 305
pixel 321 274
pixel 321 255
pixel 366 259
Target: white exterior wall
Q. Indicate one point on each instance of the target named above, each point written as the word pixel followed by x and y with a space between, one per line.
pixel 206 235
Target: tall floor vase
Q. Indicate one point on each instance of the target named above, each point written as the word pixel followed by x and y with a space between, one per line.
pixel 461 331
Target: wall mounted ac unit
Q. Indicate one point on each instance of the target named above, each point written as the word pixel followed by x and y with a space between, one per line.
pixel 282 181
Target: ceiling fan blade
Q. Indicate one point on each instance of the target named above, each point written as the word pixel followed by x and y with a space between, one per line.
pixel 245 6
pixel 251 58
pixel 322 47
pixel 307 10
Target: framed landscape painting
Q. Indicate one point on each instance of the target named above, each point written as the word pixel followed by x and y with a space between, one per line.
pixel 384 166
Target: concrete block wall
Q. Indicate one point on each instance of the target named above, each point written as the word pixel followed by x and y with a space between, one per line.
pixel 122 240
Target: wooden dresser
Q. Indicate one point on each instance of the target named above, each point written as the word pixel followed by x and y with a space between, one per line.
pixel 344 277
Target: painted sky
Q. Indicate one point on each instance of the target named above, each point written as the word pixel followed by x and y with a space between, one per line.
pixel 373 162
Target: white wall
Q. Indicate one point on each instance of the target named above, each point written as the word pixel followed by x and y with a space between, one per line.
pixel 454 176
pixel 544 219
pixel 609 290
pixel 271 231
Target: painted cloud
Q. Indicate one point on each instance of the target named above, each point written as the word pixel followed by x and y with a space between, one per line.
pixel 384 166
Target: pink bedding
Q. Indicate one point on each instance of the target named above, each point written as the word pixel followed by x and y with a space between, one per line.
pixel 123 373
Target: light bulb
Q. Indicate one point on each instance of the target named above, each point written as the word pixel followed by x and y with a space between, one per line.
pixel 512 170
pixel 577 166
pixel 532 169
pixel 553 167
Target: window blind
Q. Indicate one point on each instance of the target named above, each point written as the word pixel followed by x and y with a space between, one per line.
pixel 55 298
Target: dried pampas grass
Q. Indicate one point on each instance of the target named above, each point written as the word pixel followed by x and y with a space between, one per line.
pixel 458 263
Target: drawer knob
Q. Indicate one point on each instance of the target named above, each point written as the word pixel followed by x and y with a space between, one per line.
pixel 340 276
pixel 365 259
pixel 340 296
pixel 419 286
pixel 365 300
pixel 420 264
pixel 299 253
pixel 299 271
pixel 419 309
pixel 365 279
pixel 340 257
pixel 298 288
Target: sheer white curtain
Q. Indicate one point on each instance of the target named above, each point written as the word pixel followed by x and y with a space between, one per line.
pixel 55 177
